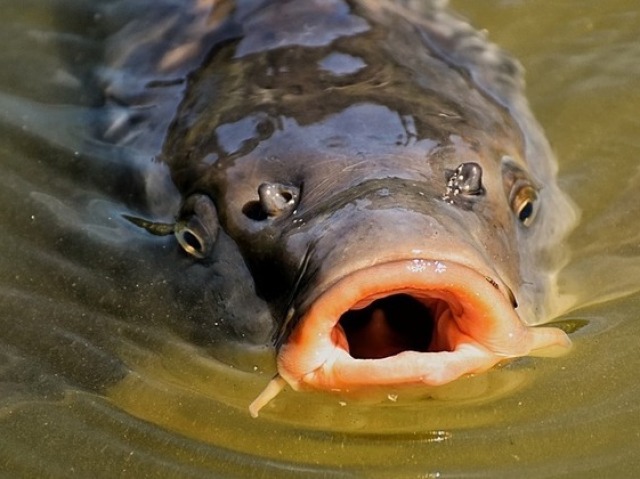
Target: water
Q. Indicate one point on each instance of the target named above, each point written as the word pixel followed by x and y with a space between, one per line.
pixel 97 379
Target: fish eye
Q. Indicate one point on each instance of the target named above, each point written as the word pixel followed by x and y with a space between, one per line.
pixel 523 204
pixel 191 241
pixel 197 231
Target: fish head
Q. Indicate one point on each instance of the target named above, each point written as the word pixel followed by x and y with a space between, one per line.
pixel 375 240
pixel 390 217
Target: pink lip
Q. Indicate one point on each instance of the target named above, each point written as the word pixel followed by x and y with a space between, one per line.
pixel 474 327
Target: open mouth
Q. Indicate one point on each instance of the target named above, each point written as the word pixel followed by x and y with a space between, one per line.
pixel 389 325
pixel 415 321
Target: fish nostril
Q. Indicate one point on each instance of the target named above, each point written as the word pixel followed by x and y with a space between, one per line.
pixel 253 210
pixel 466 180
pixel 275 200
pixel 286 196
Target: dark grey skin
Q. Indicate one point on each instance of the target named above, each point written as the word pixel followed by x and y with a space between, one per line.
pixel 313 139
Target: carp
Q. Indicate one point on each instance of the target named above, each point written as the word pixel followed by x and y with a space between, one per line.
pixel 363 182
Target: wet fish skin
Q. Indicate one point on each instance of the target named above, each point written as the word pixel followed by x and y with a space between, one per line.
pixel 247 101
pixel 333 137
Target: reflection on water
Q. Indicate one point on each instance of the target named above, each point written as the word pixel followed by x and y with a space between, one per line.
pixel 96 373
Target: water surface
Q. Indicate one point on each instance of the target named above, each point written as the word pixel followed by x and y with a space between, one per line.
pixel 99 379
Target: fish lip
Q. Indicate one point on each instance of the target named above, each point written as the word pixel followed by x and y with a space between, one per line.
pixel 481 328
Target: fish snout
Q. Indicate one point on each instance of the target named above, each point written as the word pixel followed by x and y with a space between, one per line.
pixel 399 296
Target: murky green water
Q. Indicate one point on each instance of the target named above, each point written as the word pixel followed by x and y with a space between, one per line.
pixel 96 380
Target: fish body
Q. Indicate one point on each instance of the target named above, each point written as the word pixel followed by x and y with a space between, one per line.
pixel 361 185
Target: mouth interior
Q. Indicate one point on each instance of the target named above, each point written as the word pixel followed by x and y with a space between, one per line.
pixel 390 325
